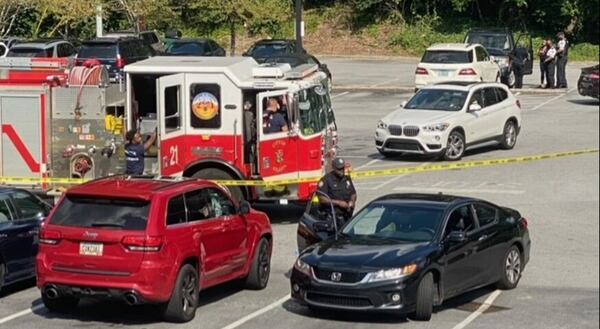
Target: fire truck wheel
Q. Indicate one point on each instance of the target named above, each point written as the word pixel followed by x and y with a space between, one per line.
pixel 217 174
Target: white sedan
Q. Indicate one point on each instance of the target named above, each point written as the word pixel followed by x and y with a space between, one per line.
pixel 456 62
pixel 448 118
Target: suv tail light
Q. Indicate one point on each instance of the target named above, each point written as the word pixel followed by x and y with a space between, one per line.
pixel 421 71
pixel 594 76
pixel 120 62
pixel 525 222
pixel 142 243
pixel 50 237
pixel 468 71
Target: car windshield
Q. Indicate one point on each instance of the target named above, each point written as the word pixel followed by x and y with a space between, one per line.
pixel 187 48
pixel 438 100
pixel 447 57
pixel 269 50
pixel 98 50
pixel 387 220
pixel 490 41
pixel 29 52
pixel 102 213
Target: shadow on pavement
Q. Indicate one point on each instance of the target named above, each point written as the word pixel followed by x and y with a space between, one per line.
pixel 17 287
pixel 586 102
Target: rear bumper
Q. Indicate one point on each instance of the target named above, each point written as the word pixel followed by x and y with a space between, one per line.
pixel 151 283
pixel 588 88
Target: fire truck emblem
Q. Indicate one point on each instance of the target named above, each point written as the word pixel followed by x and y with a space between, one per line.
pixel 205 106
pixel 279 156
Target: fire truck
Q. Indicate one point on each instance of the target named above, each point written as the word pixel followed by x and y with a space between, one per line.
pixel 211 114
pixel 59 123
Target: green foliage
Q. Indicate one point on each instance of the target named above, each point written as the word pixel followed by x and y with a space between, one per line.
pixel 415 38
pixel 584 52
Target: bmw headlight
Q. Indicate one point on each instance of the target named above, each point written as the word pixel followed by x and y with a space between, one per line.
pixel 393 273
pixel 438 127
pixel 382 125
pixel 303 267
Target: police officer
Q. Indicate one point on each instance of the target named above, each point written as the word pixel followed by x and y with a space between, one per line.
pixel 519 57
pixel 562 56
pixel 550 63
pixel 340 189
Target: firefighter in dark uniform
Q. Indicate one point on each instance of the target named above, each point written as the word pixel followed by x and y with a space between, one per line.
pixel 340 189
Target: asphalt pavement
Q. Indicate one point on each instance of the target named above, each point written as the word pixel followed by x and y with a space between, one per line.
pixel 560 198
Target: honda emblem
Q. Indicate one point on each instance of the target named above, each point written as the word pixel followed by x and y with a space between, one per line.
pixel 336 276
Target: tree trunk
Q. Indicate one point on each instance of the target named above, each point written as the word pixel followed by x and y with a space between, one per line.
pixel 479 10
pixel 232 36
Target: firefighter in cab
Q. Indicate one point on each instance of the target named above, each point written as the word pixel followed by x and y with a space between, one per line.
pixel 135 148
pixel 338 185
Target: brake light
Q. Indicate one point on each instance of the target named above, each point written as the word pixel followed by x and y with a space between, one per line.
pixel 50 237
pixel 421 71
pixel 594 76
pixel 120 62
pixel 467 72
pixel 142 243
pixel 519 103
pixel 525 222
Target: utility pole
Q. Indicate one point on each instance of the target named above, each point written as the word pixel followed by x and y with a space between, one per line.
pixel 299 27
pixel 99 25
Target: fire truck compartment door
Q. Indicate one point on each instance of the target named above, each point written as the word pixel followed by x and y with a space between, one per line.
pixel 170 96
pixel 20 140
pixel 277 151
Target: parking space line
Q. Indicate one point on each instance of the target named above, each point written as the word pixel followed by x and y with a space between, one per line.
pixel 22 313
pixel 484 307
pixel 380 186
pixel 458 190
pixel 370 163
pixel 257 313
pixel 340 95
pixel 552 99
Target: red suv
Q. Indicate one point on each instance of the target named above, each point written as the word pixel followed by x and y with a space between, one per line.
pixel 150 241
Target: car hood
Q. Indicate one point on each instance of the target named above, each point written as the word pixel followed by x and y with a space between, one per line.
pixel 418 117
pixel 364 254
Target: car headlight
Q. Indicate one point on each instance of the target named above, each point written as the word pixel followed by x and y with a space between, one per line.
pixel 438 127
pixel 502 62
pixel 393 273
pixel 303 267
pixel 382 125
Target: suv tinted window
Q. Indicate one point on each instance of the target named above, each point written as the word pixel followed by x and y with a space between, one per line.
pixel 98 50
pixel 502 94
pixel 102 213
pixel 490 96
pixel 447 56
pixel 5 214
pixel 28 205
pixel 486 214
pixel 199 205
pixel 482 55
pixel 30 52
pixel 221 204
pixel 477 97
pixel 176 211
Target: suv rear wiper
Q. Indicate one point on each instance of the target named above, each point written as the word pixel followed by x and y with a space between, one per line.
pixel 107 225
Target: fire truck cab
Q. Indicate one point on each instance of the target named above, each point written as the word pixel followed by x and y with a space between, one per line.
pixel 211 114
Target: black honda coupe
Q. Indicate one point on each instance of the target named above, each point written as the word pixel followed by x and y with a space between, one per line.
pixel 406 253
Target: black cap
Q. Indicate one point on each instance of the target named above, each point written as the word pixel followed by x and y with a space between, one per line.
pixel 339 164
pixel 560 35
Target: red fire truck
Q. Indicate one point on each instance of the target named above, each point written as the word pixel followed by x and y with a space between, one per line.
pixel 210 114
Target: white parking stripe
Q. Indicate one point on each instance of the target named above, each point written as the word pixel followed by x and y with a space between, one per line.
pixel 340 95
pixel 552 99
pixel 380 186
pixel 484 307
pixel 20 314
pixel 257 313
pixel 367 164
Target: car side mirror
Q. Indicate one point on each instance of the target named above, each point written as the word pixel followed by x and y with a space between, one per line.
pixel 475 107
pixel 457 237
pixel 245 208
pixel 403 104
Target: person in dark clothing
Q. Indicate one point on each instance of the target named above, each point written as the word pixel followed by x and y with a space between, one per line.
pixel 273 121
pixel 134 151
pixel 519 57
pixel 542 55
pixel 550 63
pixel 340 189
pixel 562 56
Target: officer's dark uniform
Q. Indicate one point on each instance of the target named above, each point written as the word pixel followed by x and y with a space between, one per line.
pixel 519 57
pixel 338 188
pixel 561 63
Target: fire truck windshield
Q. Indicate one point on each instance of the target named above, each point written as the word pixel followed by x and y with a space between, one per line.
pixel 315 110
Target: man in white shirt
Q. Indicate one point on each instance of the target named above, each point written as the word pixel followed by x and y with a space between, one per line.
pixel 550 65
pixel 562 55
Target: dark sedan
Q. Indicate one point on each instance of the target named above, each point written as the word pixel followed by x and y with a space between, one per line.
pixel 406 253
pixel 296 60
pixel 194 47
pixel 262 50
pixel 588 82
pixel 21 214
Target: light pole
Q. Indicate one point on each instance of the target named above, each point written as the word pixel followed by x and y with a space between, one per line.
pixel 299 27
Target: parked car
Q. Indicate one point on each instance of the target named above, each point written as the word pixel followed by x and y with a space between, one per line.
pixel 114 53
pixel 151 38
pixel 264 49
pixel 588 82
pixel 194 47
pixel 455 62
pixel 10 41
pixel 3 49
pixel 296 60
pixel 500 44
pixel 448 118
pixel 150 241
pixel 43 48
pixel 21 214
pixel 405 253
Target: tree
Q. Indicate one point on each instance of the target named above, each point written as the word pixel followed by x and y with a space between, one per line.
pixel 57 14
pixel 9 11
pixel 255 15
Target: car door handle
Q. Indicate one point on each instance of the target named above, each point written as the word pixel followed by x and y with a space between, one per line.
pixel 482 238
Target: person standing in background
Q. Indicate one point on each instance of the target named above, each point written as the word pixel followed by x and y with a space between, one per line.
pixel 562 56
pixel 550 63
pixel 542 55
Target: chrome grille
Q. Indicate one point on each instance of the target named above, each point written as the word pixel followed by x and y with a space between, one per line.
pixel 395 130
pixel 411 131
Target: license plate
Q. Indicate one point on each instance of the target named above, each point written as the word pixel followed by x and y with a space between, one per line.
pixel 444 73
pixel 91 249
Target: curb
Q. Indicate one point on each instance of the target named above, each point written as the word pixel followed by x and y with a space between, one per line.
pixel 382 89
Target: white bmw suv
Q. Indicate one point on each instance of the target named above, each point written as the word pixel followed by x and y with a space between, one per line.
pixel 448 118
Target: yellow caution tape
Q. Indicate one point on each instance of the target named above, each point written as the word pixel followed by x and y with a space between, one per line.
pixel 355 175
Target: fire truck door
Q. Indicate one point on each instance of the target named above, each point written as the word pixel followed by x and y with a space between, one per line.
pixel 277 150
pixel 171 117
